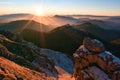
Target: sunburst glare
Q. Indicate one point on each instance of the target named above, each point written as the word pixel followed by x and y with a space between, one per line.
pixel 39 12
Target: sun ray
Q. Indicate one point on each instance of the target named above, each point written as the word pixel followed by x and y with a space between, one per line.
pixel 42 34
pixel 52 20
pixel 26 25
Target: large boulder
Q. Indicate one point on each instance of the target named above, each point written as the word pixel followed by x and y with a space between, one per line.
pixel 93 45
pixel 91 66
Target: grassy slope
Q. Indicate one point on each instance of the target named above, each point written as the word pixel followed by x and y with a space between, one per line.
pixel 11 71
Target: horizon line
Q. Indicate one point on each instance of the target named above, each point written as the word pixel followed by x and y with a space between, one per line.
pixel 62 14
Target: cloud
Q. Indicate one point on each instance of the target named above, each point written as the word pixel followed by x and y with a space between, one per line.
pixel 6 3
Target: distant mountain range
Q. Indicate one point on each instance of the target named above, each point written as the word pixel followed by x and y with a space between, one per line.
pixel 14 17
pixel 96 30
pixel 55 21
pixel 106 22
pixel 95 27
pixel 20 25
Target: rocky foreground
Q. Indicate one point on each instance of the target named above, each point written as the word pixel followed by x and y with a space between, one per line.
pixel 22 60
pixel 93 62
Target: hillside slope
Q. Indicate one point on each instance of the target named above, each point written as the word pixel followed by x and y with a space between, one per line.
pixel 36 60
pixel 27 52
pixel 96 30
pixel 11 71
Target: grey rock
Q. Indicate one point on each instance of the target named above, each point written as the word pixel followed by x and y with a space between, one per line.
pixel 90 66
pixel 93 45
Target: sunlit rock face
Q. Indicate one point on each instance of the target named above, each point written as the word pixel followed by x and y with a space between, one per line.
pixel 92 62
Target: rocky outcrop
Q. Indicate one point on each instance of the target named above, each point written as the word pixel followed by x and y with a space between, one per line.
pixel 60 59
pixel 93 45
pixel 92 62
pixel 46 65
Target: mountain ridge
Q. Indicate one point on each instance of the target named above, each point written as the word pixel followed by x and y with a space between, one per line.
pixel 24 24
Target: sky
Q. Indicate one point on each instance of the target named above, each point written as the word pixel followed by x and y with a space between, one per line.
pixel 62 7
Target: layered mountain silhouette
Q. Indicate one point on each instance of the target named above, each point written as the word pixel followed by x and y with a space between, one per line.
pixel 54 21
pixel 13 17
pixel 98 31
pixel 107 22
pixel 25 24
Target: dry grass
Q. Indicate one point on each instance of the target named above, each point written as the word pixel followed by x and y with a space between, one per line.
pixel 11 71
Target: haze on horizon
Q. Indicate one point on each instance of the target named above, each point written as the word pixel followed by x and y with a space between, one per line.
pixel 61 7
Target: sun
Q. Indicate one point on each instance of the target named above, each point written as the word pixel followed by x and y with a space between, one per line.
pixel 39 12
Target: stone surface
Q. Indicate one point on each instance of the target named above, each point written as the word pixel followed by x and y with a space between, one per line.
pixel 100 66
pixel 93 45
